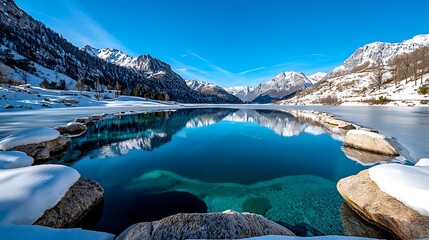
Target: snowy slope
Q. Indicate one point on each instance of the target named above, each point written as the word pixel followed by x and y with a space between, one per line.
pixel 240 91
pixel 354 82
pixel 283 85
pixel 212 90
pixel 144 63
pixel 370 53
pixel 314 78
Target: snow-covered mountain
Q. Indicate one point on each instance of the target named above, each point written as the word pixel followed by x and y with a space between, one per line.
pixel 37 44
pixel 314 78
pixel 144 63
pixel 394 71
pixel 368 55
pixel 240 91
pixel 217 93
pixel 283 85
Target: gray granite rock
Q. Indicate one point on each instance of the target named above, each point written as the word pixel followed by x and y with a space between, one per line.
pixel 226 225
pixel 78 201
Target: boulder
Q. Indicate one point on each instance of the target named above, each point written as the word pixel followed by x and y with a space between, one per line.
pixel 42 151
pixel 72 129
pixel 226 225
pixel 369 141
pixel 354 225
pixel 365 158
pixel 83 196
pixel 83 120
pixel 365 198
pixel 96 117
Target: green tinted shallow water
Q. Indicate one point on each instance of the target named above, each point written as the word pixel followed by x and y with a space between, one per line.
pixel 197 160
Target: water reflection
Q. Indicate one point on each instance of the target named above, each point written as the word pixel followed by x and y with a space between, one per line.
pixel 119 134
pixel 282 164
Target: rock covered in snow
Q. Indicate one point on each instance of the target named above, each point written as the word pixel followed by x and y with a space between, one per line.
pixel 369 141
pixel 76 203
pixel 30 136
pixel 14 159
pixel 30 232
pixel 363 195
pixel 42 151
pixel 27 192
pixel 72 129
pixel 83 120
pixel 226 225
pixel 38 143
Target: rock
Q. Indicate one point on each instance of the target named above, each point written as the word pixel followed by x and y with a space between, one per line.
pixel 369 130
pixel 83 196
pixel 369 141
pixel 83 120
pixel 354 225
pixel 42 151
pixel 69 102
pixel 226 225
pixel 335 122
pixel 96 117
pixel 365 198
pixel 365 158
pixel 8 106
pixel 72 129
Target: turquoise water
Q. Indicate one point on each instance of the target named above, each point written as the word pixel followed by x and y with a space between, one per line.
pixel 197 160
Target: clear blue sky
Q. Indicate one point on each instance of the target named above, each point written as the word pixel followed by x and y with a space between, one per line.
pixel 234 42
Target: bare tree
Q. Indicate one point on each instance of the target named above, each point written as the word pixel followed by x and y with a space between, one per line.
pixel 406 64
pixel 396 65
pixel 415 65
pixel 424 61
pixel 378 74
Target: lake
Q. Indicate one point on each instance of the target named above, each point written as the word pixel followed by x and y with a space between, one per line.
pixel 255 158
pixel 274 163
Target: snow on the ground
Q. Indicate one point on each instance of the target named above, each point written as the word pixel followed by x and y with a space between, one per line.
pixel 14 159
pixel 34 232
pixel 367 133
pixel 30 136
pixel 26 193
pixel 408 184
pixel 276 237
pixel 355 90
pixel 36 98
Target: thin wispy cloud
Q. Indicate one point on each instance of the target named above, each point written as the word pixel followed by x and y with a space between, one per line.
pixel 251 70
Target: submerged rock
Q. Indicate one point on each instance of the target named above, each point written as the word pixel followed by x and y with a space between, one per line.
pixel 42 151
pixel 365 197
pixel 369 141
pixel 365 158
pixel 226 225
pixel 257 205
pixel 77 202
